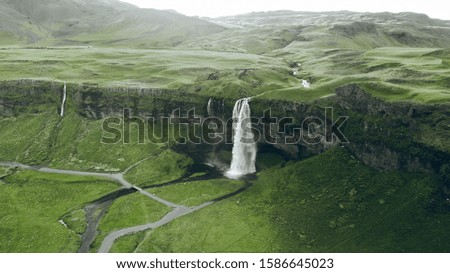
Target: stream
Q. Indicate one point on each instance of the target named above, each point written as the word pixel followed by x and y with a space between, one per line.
pixel 98 208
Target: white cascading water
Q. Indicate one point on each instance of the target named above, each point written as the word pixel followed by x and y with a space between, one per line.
pixel 209 108
pixel 64 99
pixel 244 148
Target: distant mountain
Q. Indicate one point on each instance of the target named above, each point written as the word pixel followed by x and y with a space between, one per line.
pixel 107 22
pixel 287 17
pixel 115 23
pixel 262 32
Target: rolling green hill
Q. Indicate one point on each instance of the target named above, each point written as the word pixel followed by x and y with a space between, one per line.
pixel 262 32
pixel 266 53
pixel 98 22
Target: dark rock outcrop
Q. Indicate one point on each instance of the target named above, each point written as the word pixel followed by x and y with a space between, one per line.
pixel 384 135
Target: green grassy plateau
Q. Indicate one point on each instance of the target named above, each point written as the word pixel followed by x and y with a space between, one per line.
pixel 411 74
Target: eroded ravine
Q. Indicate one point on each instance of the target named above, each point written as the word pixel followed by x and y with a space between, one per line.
pixel 98 208
pixel 94 213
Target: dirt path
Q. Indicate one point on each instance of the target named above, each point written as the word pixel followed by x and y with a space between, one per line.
pixel 92 222
pixel 174 214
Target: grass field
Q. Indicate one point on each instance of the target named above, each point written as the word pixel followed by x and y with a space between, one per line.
pixel 131 210
pixel 328 203
pixel 167 166
pixel 197 192
pixel 182 69
pixel 27 138
pixel 137 209
pixel 73 143
pixel 79 146
pixel 411 74
pixel 395 73
pixel 33 203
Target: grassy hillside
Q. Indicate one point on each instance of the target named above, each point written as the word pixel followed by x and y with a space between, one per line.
pixel 263 32
pixel 224 74
pixel 107 22
pixel 417 74
pixel 32 205
pixel 400 56
pixel 391 73
pixel 75 143
pixel 328 203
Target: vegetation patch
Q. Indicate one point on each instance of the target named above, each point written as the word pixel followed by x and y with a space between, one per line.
pixel 34 203
pixel 328 203
pixel 194 193
pixel 165 167
pixel 130 210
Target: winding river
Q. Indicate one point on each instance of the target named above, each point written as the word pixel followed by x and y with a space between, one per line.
pixel 104 202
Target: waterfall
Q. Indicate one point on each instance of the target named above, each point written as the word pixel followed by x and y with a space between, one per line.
pixel 209 108
pixel 64 99
pixel 244 148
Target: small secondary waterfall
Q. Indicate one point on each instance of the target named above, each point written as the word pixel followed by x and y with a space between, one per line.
pixel 244 147
pixel 64 99
pixel 215 108
pixel 209 108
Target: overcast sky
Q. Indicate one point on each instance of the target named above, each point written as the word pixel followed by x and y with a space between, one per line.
pixel 214 8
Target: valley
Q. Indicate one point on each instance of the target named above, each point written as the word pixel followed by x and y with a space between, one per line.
pixel 64 76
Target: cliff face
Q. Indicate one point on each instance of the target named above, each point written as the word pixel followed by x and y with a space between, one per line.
pixel 395 135
pixel 28 96
pixel 354 98
pixel 98 103
pixel 384 135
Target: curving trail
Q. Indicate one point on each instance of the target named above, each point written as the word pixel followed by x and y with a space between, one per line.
pixel 118 177
pixel 90 233
pixel 174 214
